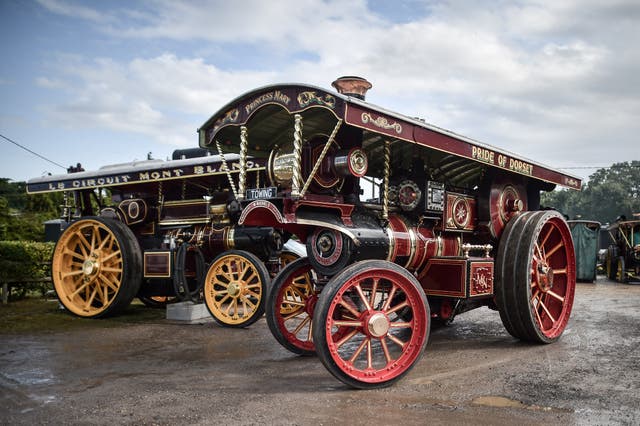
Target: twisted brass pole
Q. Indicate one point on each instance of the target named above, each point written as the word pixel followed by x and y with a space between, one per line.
pixel 296 180
pixel 226 169
pixel 316 166
pixel 387 170
pixel 242 179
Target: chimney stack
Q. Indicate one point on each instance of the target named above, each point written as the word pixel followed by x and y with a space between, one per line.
pixel 352 86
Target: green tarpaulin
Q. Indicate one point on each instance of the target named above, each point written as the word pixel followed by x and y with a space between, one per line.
pixel 585 240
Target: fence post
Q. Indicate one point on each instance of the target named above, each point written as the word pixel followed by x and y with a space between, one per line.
pixel 5 293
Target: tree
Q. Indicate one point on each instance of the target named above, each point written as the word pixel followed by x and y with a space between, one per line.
pixel 609 193
pixel 22 216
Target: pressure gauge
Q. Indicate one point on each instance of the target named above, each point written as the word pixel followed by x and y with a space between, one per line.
pixel 408 195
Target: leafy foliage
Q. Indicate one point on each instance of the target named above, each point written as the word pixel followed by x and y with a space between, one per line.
pixel 22 216
pixel 610 192
pixel 28 263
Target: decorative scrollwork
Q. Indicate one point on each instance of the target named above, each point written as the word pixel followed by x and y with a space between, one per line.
pixel 381 122
pixel 307 98
pixel 230 117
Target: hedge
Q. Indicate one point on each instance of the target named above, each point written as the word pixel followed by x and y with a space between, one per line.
pixel 26 263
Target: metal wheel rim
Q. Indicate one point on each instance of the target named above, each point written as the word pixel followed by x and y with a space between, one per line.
pixel 88 268
pixel 363 352
pixel 233 289
pixel 295 300
pixel 551 303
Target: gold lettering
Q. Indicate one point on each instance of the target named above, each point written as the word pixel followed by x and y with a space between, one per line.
pixel 482 154
pixel 520 166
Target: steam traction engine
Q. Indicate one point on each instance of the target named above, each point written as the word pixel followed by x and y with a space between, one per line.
pixel 162 231
pixel 404 224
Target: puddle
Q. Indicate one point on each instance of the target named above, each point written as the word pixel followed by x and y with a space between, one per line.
pixel 33 376
pixel 502 402
pixel 498 401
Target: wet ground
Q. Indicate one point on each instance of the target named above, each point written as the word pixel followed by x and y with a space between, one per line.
pixel 473 372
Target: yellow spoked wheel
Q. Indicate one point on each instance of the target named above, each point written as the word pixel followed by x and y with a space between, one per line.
pixel 96 267
pixel 235 288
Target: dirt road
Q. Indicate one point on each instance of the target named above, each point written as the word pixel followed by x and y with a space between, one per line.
pixel 473 372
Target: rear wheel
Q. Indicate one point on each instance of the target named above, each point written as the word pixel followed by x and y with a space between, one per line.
pixel 96 267
pixel 362 304
pixel 235 288
pixel 536 276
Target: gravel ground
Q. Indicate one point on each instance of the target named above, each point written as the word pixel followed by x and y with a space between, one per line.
pixel 473 372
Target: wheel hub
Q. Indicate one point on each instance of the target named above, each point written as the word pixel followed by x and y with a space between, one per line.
pixel 378 325
pixel 545 277
pixel 325 244
pixel 89 267
pixel 234 289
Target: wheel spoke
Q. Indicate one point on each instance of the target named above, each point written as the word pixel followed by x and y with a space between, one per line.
pixel 79 289
pixel 300 326
pixel 535 295
pixel 84 244
pixel 292 302
pixel 401 325
pixel 252 278
pixel 397 307
pixel 560 271
pixel 546 237
pixel 392 293
pixel 359 350
pixel 94 236
pixel 555 296
pixel 385 349
pixel 346 338
pixel 247 301
pixel 349 307
pixel 108 282
pixel 224 299
pixel 555 249
pixel 71 274
pixel 362 297
pixel 111 255
pixel 374 290
pixel 538 256
pixel 72 253
pixel 541 303
pixel 396 340
pixel 344 323
pixel 89 300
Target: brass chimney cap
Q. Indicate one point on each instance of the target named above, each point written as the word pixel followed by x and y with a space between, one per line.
pixel 352 86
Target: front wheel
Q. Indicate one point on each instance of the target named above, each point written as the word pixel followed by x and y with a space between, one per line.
pixel 382 317
pixel 235 288
pixel 536 276
pixel 96 267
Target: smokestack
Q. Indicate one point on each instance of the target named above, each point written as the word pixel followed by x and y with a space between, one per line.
pixel 352 86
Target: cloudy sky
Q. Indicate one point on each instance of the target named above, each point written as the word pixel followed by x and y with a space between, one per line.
pixel 103 82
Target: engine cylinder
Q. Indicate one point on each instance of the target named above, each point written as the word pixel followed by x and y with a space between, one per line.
pixel 411 246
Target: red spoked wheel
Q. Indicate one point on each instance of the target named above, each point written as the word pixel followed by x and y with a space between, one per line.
pixel 382 317
pixel 290 306
pixel 536 276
